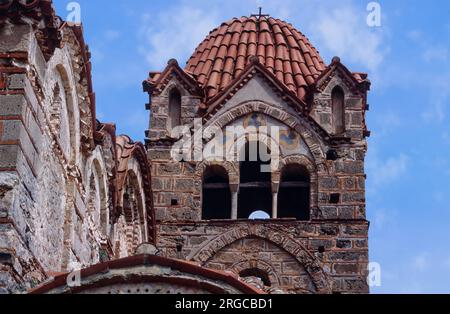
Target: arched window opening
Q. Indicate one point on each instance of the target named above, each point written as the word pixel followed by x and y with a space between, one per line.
pixel 216 194
pixel 254 273
pixel 338 108
pixel 63 118
pixel 133 213
pixel 255 190
pixel 294 193
pixel 174 109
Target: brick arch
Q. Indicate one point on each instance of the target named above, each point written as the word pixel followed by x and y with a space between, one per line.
pixel 231 169
pixel 279 238
pixel 310 137
pixel 258 264
pixel 310 166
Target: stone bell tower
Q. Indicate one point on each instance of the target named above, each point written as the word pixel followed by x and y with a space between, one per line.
pixel 301 226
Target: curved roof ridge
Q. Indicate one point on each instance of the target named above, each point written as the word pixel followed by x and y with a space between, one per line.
pixel 286 52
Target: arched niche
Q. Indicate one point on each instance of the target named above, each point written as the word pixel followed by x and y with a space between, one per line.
pixel 338 110
pixel 174 111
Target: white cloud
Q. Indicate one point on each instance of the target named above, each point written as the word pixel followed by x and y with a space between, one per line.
pixel 100 45
pixel 337 28
pixel 415 35
pixel 174 33
pixel 420 262
pixel 435 112
pixel 386 122
pixel 111 35
pixel 384 172
pixel 435 54
pixel 344 32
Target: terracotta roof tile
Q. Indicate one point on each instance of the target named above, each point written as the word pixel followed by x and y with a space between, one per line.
pixel 134 267
pixel 282 49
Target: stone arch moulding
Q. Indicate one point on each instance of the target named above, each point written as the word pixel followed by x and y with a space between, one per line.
pixel 259 264
pixel 231 169
pixel 312 169
pixel 296 249
pixel 175 84
pixel 98 167
pixel 60 64
pixel 307 132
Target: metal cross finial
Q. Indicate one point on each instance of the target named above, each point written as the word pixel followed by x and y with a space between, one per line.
pixel 260 15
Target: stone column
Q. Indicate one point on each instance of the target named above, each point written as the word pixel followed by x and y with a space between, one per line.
pixel 275 205
pixel 275 189
pixel 234 200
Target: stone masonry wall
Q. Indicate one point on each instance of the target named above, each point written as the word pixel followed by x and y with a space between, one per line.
pixel 54 183
pixel 336 236
pixel 340 248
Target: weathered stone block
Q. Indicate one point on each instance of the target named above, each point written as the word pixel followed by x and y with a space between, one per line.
pixel 10 130
pixel 343 244
pixel 327 212
pixel 169 169
pixel 12 104
pixel 14 38
pixel 9 155
pixel 331 230
pixel 350 167
pixel 362 243
pixel 328 183
pixel 159 154
pixel 348 256
pixel 316 243
pixel 346 212
pixel 17 81
pixel 355 230
pixel 184 184
pixel 357 119
pixel 356 197
pixel 345 269
pixel 158 123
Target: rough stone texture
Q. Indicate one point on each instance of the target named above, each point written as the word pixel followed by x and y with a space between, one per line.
pixel 335 237
pixel 289 252
pixel 58 208
pixel 73 195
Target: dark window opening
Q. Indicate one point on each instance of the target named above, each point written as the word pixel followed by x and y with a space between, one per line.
pixel 335 198
pixel 338 108
pixel 332 155
pixel 174 108
pixel 294 193
pixel 256 273
pixel 216 194
pixel 174 202
pixel 255 191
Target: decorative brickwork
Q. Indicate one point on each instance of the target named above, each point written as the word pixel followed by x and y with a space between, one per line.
pixel 74 195
pixel 60 206
pixel 321 251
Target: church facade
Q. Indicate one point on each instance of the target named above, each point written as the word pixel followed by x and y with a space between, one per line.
pixel 253 164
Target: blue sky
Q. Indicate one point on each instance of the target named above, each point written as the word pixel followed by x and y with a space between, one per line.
pixel 408 59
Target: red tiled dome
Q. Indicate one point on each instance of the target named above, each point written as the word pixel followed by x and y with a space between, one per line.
pixel 282 49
